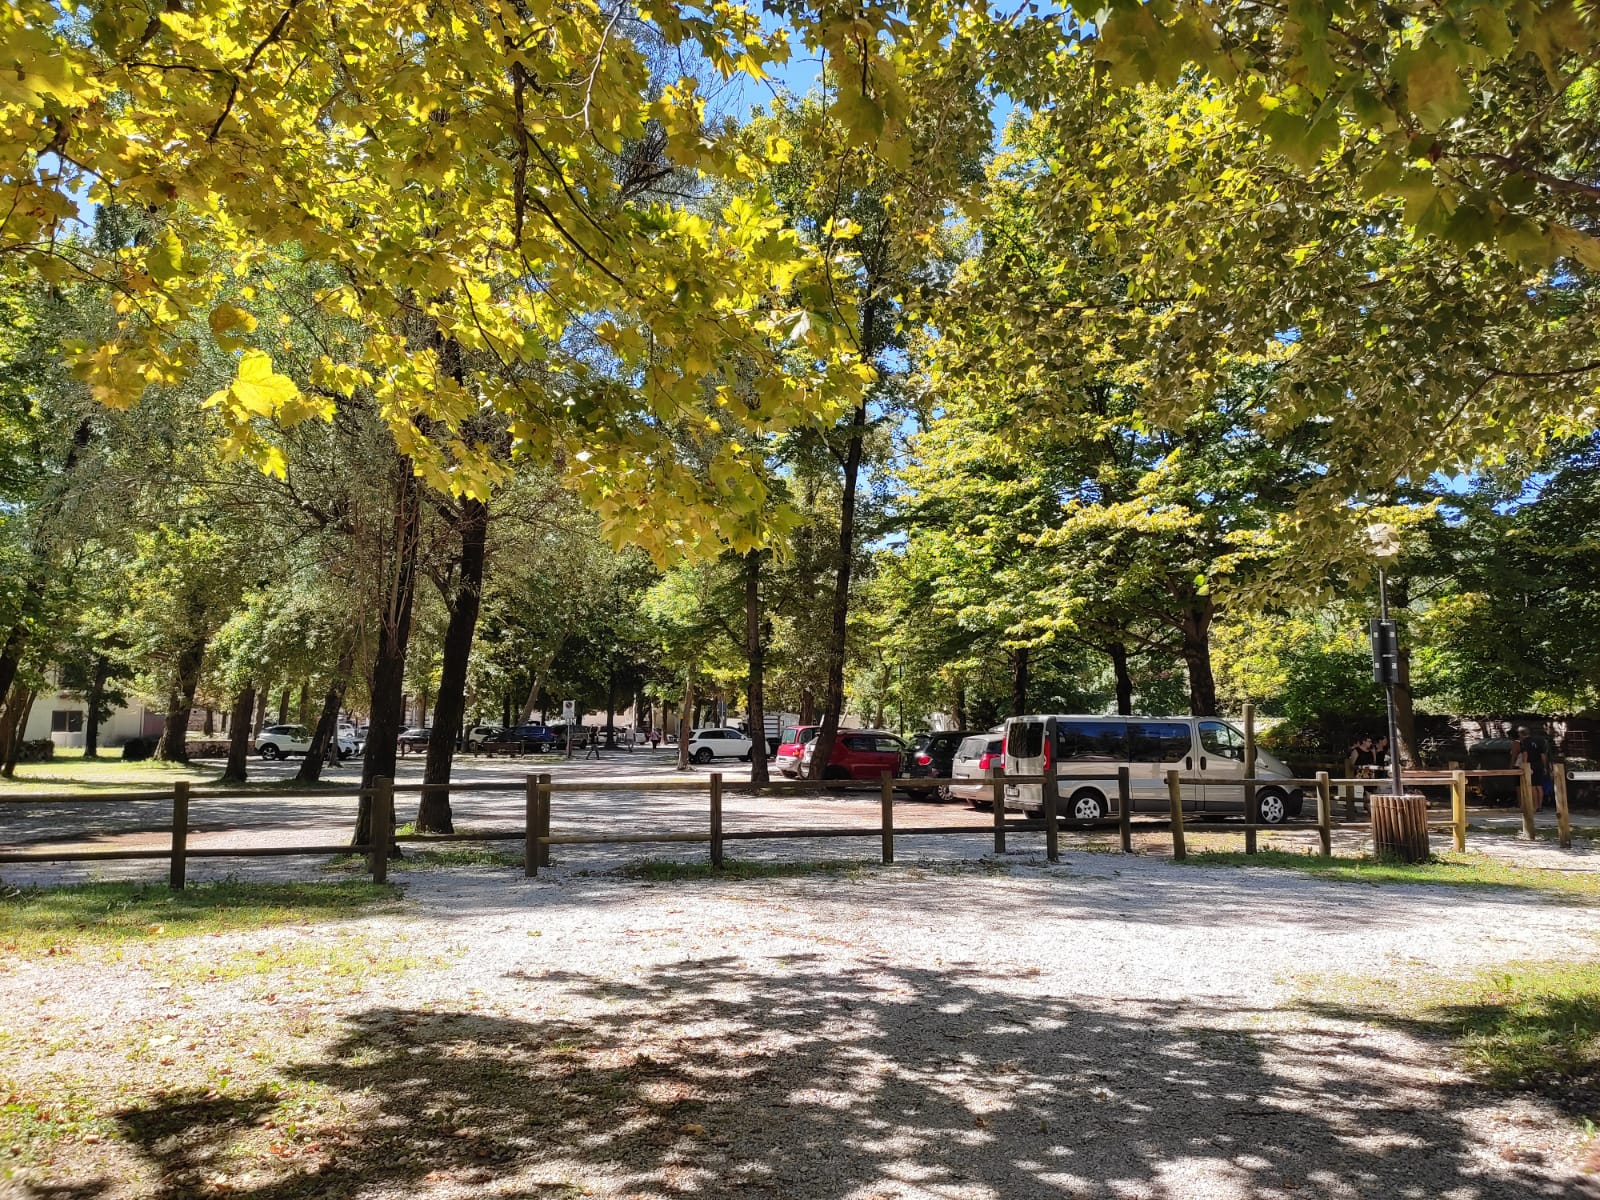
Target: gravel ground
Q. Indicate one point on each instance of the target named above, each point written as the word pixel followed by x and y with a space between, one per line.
pixel 963 1030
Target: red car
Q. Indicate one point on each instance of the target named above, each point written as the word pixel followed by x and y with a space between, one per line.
pixel 859 754
pixel 792 743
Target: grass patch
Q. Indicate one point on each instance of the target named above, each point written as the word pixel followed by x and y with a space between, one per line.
pixel 50 920
pixel 1448 870
pixel 663 871
pixel 455 854
pixel 1527 1026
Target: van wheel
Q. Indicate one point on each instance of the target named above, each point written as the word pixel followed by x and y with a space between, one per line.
pixel 1274 807
pixel 1087 805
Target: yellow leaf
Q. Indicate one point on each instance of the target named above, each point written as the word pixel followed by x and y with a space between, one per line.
pixel 257 389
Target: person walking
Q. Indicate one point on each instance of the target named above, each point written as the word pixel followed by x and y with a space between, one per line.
pixel 594 744
pixel 655 739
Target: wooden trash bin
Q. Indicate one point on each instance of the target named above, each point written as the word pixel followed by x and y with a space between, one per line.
pixel 1400 827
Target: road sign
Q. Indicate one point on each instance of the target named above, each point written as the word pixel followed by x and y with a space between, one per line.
pixel 1385 651
pixel 569 710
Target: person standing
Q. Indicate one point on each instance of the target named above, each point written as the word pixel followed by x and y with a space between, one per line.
pixel 1363 759
pixel 1528 751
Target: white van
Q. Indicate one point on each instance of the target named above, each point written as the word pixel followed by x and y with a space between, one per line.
pixel 1088 750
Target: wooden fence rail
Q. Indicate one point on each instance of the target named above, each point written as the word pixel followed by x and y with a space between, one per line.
pixel 538 790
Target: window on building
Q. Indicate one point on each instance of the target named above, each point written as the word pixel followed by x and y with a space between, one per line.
pixel 66 720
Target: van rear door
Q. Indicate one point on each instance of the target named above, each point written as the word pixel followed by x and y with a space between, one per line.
pixel 1024 756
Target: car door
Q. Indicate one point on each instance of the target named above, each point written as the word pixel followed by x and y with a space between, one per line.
pixel 888 754
pixel 1221 761
pixel 297 740
pixel 1154 748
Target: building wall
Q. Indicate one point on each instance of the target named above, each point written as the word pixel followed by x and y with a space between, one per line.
pixel 60 717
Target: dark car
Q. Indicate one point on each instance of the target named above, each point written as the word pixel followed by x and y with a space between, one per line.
pixel 537 737
pixel 505 741
pixel 934 758
pixel 415 738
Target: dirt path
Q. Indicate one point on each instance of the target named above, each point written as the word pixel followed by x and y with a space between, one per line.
pixel 1110 1027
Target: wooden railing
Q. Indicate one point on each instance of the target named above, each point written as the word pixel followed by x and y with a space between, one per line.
pixel 538 790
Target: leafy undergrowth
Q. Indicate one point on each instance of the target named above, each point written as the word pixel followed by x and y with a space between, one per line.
pixel 1532 1026
pixel 1450 870
pixel 58 919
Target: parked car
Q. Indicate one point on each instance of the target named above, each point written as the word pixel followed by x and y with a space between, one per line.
pixel 791 745
pixel 859 754
pixel 358 737
pixel 415 738
pixel 979 761
pixel 932 760
pixel 280 741
pixel 507 741
pixel 722 742
pixel 538 736
pixel 473 734
pixel 1087 751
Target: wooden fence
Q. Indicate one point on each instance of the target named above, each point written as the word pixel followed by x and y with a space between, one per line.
pixel 538 790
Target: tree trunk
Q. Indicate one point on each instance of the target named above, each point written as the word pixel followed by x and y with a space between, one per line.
pixel 11 657
pixel 505 710
pixel 16 729
pixel 174 743
pixel 808 706
pixel 303 717
pixel 685 711
pixel 96 702
pixel 611 708
pixel 239 742
pixel 1196 630
pixel 210 727
pixel 326 738
pixel 394 635
pixel 833 704
pixel 961 706
pixel 1119 666
pixel 261 712
pixel 1021 662
pixel 283 706
pixel 433 810
pixel 756 654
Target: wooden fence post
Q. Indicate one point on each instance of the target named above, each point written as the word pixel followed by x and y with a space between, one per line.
pixel 1252 809
pixel 530 828
pixel 1175 800
pixel 886 782
pixel 1124 810
pixel 1528 830
pixel 1563 814
pixel 1458 809
pixel 1052 804
pixel 544 819
pixel 180 835
pixel 1325 814
pixel 716 819
pixel 998 791
pixel 1349 802
pixel 382 827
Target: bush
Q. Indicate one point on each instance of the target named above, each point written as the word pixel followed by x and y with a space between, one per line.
pixel 38 750
pixel 138 749
pixel 209 748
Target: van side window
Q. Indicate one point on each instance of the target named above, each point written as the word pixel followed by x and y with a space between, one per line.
pixel 1027 739
pixel 1221 740
pixel 1094 741
pixel 1157 741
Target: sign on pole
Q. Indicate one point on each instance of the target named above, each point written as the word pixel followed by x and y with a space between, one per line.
pixel 569 710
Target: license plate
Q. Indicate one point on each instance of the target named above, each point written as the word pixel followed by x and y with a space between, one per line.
pixel 1012 789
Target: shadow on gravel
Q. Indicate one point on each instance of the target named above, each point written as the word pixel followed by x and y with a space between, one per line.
pixel 786 1078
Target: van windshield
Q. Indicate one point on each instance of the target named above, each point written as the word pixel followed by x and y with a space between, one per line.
pixel 1025 739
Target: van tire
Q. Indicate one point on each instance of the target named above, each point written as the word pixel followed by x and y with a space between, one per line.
pixel 1274 806
pixel 1087 805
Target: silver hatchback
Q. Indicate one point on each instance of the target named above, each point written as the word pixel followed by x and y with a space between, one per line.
pixel 979 760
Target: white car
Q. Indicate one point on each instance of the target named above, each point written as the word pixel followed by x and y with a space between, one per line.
pixel 474 734
pixel 707 744
pixel 280 741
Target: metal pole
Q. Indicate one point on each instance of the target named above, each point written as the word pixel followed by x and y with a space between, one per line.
pixel 1388 691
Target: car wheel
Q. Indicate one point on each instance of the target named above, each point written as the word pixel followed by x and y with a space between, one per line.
pixel 701 756
pixel 1274 807
pixel 980 805
pixel 744 758
pixel 1087 805
pixel 269 752
pixel 943 793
